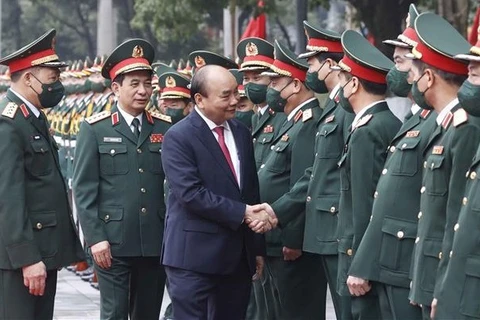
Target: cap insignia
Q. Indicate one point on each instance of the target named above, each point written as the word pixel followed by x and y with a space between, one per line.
pixel 137 52
pixel 199 61
pixel 251 49
pixel 170 82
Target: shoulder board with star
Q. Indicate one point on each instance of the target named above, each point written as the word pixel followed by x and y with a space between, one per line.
pixel 364 120
pixel 97 117
pixel 424 114
pixel 448 119
pixel 162 117
pixel 460 116
pixel 307 115
pixel 10 110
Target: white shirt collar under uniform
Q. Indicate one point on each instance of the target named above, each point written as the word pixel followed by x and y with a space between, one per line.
pixel 294 111
pixel 30 106
pixel 359 115
pixel 441 116
pixel 129 118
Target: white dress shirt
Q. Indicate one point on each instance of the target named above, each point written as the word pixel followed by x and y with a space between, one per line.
pixel 359 115
pixel 262 110
pixel 129 119
pixel 415 108
pixel 334 91
pixel 30 106
pixel 229 141
pixel 441 116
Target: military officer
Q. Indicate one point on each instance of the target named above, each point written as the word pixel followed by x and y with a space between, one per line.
pixel 118 186
pixel 200 58
pixel 385 253
pixel 449 152
pixel 318 191
pixel 37 234
pixel 175 95
pixel 257 56
pixel 363 70
pixel 294 273
pixel 457 295
pixel 244 111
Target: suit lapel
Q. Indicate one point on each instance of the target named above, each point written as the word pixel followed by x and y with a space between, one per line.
pixel 207 138
pixel 329 107
pixel 147 128
pixel 261 122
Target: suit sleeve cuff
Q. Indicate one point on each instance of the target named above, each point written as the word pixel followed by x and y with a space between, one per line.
pixel 23 254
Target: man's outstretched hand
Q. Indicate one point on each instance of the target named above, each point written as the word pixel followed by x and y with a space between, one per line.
pixel 260 218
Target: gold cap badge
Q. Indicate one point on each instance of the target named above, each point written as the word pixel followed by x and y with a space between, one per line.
pixel 137 52
pixel 199 61
pixel 170 82
pixel 251 49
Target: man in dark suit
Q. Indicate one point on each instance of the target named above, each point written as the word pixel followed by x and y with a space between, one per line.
pixel 37 233
pixel 209 251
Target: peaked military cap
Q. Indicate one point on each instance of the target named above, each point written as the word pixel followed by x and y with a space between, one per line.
pixel 255 54
pixel 362 59
pixel 201 58
pixel 439 43
pixel 474 53
pixel 39 53
pixel 286 64
pixel 174 85
pixel 87 66
pixel 160 68
pixel 320 40
pixel 131 55
pixel 408 39
pixel 239 77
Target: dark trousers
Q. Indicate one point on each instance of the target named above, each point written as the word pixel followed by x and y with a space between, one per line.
pixel 366 307
pixel 17 303
pixel 132 286
pixel 426 312
pixel 261 305
pixel 395 305
pixel 342 304
pixel 300 286
pixel 199 296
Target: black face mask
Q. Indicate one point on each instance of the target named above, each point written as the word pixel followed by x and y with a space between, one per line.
pixel 52 93
pixel 175 114
pixel 469 98
pixel 419 96
pixel 397 82
pixel 275 100
pixel 344 102
pixel 315 84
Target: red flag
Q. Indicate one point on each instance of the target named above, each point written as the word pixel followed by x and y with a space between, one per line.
pixel 257 26
pixel 473 36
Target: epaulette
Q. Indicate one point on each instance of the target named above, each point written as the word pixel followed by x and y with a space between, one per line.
pixel 448 119
pixel 162 117
pixel 424 114
pixel 460 116
pixel 149 117
pixel 307 115
pixel 10 110
pixel 298 116
pixel 97 117
pixel 364 120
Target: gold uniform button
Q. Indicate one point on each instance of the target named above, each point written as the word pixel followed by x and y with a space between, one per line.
pixel 375 195
pixel 264 139
pixel 417 240
pixel 422 190
pixel 142 190
pixel 400 234
pixel 254 140
pixel 39 226
pixel 404 146
pixel 411 284
pixel 420 214
pixel 139 151
pixel 392 149
pixel 467 174
pixel 371 217
pixel 262 166
pixel 349 252
pixel 473 175
pixel 384 171
pixel 456 227
pixel 272 147
pixel 440 255
pixel 332 209
pixel 143 210
pixel 140 170
pixel 451 254
pixel 107 217
pixel 317 134
pixel 432 166
pixel 425 164
pixel 112 151
pixel 465 201
pixel 309 199
pixel 316 154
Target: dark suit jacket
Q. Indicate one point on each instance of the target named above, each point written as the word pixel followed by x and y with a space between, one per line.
pixel 203 229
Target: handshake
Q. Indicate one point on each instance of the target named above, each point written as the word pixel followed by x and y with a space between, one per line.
pixel 260 218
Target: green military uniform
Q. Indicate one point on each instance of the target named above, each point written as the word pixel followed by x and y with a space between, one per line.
pixel 292 152
pixel 458 293
pixel 256 55
pixel 118 187
pixel 385 253
pixel 36 223
pixel 361 163
pixel 448 155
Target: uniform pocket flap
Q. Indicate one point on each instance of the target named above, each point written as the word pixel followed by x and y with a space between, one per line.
pixel 42 220
pixel 40 146
pixel 472 267
pixel 280 147
pixel 432 248
pixel 155 147
pixel 409 144
pixel 110 214
pixel 329 204
pixel 327 129
pixel 200 226
pixel 435 162
pixel 112 149
pixel 400 228
pixel 266 140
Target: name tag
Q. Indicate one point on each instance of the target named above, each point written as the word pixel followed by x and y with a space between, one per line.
pixel 413 134
pixel 437 150
pixel 112 139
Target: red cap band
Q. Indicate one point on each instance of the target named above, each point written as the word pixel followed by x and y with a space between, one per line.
pixel 362 72
pixel 410 34
pixel 332 46
pixel 175 90
pixel 439 61
pixel 258 58
pixel 294 71
pixel 125 64
pixel 32 60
